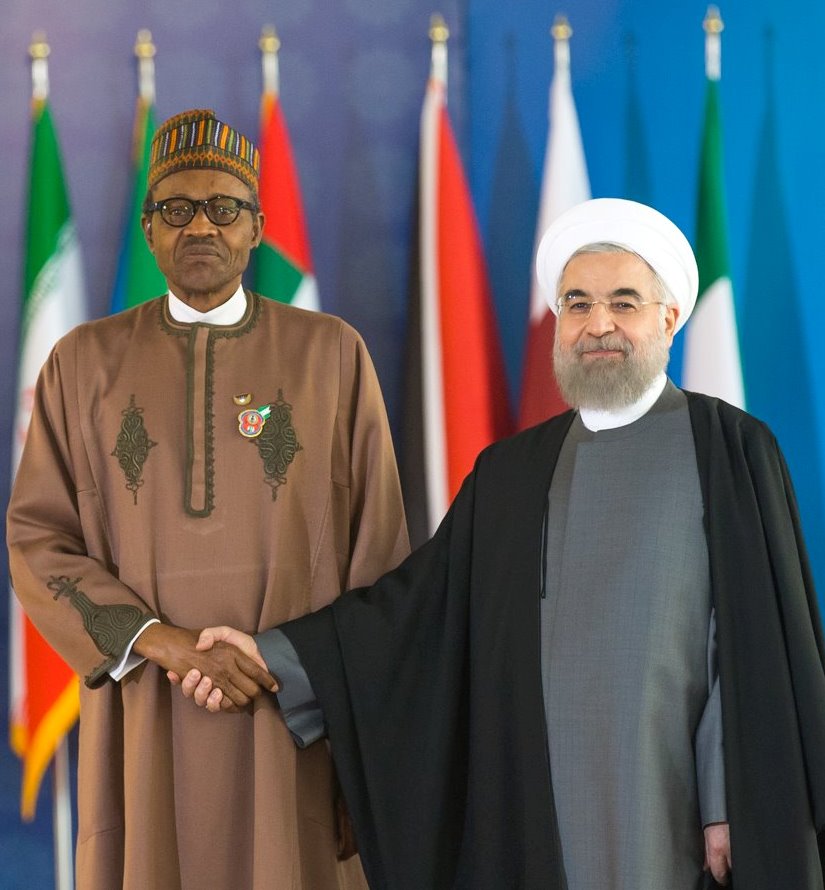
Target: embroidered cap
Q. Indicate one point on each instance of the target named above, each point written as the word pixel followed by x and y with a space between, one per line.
pixel 196 139
pixel 639 228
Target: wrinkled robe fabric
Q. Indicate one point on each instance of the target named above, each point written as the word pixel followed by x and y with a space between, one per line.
pixel 137 495
pixel 430 680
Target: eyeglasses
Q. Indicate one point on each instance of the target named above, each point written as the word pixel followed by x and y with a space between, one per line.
pixel 222 210
pixel 621 305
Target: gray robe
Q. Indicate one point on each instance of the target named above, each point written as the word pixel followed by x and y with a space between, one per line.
pixel 624 629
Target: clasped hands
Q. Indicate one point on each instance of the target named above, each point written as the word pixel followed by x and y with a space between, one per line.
pixel 220 668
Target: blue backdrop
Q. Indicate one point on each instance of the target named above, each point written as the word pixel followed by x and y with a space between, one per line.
pixel 353 74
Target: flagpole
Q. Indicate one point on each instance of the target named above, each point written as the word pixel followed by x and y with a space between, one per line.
pixel 433 407
pixel 713 26
pixel 439 33
pixel 61 787
pixel 561 32
pixel 269 44
pixel 62 818
pixel 145 52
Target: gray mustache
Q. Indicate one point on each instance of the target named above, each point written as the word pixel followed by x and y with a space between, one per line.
pixel 608 342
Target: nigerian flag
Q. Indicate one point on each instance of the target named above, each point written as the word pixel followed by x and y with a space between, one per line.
pixel 44 699
pixel 711 355
pixel 283 263
pixel 138 278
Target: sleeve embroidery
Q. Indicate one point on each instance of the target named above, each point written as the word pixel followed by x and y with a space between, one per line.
pixel 110 627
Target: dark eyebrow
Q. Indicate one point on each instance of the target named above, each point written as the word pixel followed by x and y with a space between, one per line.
pixel 619 292
pixel 210 198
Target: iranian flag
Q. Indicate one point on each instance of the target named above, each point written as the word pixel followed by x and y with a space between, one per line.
pixel 44 696
pixel 283 263
pixel 711 361
pixel 564 184
pixel 456 391
pixel 138 277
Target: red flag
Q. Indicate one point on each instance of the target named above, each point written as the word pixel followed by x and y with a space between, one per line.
pixel 457 391
pixel 564 184
pixel 283 264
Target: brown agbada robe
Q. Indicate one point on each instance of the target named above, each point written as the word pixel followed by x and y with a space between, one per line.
pixel 137 495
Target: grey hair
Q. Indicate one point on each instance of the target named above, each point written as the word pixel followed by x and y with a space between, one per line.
pixel 662 290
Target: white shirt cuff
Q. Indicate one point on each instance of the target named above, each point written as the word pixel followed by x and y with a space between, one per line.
pixel 130 661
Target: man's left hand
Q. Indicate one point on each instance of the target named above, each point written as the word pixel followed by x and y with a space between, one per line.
pixel 717 852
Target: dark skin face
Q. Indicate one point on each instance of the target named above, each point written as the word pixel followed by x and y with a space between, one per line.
pixel 202 263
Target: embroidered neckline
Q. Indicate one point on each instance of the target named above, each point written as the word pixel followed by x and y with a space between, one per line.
pixel 183 329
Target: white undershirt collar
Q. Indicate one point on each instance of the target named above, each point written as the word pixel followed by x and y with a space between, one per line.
pixel 596 420
pixel 229 312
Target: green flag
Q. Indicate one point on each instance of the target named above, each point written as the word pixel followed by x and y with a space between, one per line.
pixel 138 277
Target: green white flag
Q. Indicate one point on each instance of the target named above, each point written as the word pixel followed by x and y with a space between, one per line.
pixel 711 358
pixel 43 690
pixel 54 298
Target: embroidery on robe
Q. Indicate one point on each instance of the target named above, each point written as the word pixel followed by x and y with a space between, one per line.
pixel 247 324
pixel 132 446
pixel 277 444
pixel 110 627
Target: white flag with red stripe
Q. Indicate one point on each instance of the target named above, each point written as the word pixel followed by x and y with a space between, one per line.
pixel 456 384
pixel 564 184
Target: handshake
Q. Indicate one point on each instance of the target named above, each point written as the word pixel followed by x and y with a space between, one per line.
pixel 220 668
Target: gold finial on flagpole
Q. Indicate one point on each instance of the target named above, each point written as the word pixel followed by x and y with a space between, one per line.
pixel 713 26
pixel 38 48
pixel 144 48
pixel 269 42
pixel 439 32
pixel 39 51
pixel 561 29
pixel 269 45
pixel 713 23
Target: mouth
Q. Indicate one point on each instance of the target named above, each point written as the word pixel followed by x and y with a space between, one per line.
pixel 599 354
pixel 199 252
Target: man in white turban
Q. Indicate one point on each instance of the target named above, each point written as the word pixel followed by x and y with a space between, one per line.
pixel 605 670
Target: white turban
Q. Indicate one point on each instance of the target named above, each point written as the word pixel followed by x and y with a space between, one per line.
pixel 629 224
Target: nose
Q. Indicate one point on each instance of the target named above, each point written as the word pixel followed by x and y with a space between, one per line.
pixel 200 222
pixel 600 321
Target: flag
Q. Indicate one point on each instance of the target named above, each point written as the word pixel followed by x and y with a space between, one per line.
pixel 138 278
pixel 779 359
pixel 44 695
pixel 456 384
pixel 637 183
pixel 711 362
pixel 564 184
pixel 283 263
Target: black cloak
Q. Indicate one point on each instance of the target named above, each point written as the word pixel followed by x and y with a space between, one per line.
pixel 430 680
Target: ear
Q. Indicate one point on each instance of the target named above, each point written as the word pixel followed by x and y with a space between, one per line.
pixel 671 317
pixel 258 222
pixel 146 225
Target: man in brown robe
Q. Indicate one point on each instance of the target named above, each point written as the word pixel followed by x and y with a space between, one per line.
pixel 208 457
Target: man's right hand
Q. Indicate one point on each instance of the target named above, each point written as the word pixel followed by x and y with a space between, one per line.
pixel 204 688
pixel 240 677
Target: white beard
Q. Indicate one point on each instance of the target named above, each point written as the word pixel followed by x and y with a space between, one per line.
pixel 609 384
